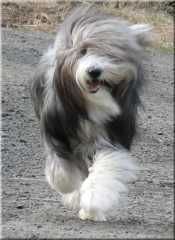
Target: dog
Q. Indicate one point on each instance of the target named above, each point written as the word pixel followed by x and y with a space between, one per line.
pixel 86 94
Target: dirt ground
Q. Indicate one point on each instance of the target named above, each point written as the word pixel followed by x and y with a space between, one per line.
pixel 30 209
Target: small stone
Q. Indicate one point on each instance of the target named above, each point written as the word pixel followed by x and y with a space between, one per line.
pixel 20 207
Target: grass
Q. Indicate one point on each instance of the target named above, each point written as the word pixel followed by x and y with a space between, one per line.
pixel 161 22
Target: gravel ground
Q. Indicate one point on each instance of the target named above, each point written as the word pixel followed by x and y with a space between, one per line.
pixel 30 208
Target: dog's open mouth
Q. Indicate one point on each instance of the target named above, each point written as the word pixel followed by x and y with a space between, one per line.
pixel 94 85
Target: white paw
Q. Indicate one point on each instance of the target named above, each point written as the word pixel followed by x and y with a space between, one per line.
pixel 91 215
pixel 72 200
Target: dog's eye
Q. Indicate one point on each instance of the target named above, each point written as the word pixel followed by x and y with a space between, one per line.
pixel 83 51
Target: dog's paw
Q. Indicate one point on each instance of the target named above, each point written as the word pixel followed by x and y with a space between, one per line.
pixel 91 215
pixel 72 200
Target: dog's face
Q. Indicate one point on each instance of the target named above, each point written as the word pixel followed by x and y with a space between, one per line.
pixel 97 69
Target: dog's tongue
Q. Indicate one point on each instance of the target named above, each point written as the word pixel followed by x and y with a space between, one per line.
pixel 93 85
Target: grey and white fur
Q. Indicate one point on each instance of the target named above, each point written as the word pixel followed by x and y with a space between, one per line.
pixel 86 95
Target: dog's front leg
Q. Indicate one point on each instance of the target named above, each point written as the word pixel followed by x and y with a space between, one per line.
pixel 100 192
pixel 62 175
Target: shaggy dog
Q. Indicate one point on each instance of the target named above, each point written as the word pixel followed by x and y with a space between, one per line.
pixel 86 94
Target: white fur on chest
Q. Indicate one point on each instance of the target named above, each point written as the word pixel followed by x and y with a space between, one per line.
pixel 101 106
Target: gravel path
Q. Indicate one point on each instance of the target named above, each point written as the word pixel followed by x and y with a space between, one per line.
pixel 30 208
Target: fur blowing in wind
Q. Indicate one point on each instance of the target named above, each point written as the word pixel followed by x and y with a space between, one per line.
pixel 86 95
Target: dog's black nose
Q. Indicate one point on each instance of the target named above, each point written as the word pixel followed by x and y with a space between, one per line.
pixel 94 72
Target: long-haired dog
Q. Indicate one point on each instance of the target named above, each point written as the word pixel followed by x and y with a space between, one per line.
pixel 86 95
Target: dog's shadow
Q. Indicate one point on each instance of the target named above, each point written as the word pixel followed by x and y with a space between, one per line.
pixel 115 222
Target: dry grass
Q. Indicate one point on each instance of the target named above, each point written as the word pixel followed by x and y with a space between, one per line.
pixel 162 22
pixel 47 15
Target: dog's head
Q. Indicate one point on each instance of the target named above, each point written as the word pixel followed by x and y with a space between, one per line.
pixel 95 53
pixel 94 61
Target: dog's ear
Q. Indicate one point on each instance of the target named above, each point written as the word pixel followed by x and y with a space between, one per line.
pixel 142 33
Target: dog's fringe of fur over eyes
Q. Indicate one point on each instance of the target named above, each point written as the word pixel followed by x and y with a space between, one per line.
pixel 86 95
